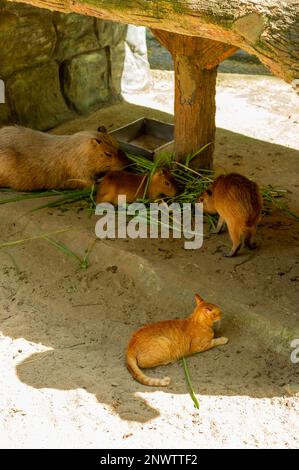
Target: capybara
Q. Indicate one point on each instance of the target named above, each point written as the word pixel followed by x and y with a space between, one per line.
pixel 135 186
pixel 238 202
pixel 33 160
pixel 167 341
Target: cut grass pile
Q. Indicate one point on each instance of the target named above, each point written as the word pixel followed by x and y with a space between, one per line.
pixel 191 184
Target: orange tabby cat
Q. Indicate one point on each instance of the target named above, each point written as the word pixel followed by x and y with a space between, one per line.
pixel 167 341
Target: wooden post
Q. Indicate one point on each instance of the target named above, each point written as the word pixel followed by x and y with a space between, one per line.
pixel 195 67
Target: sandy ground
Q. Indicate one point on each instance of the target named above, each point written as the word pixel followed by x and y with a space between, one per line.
pixel 63 382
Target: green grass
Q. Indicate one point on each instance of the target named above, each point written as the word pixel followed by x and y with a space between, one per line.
pixel 191 184
pixel 189 383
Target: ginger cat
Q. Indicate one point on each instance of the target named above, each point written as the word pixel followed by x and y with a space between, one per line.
pixel 167 341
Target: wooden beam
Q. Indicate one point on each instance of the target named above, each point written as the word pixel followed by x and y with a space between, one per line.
pixel 269 29
pixel 195 68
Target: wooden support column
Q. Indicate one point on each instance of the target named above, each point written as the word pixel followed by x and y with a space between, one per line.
pixel 195 68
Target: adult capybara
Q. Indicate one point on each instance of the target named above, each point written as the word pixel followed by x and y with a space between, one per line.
pixel 32 160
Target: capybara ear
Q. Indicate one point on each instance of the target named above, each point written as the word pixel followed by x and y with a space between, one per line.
pixel 102 129
pixel 209 192
pixel 198 299
pixel 95 141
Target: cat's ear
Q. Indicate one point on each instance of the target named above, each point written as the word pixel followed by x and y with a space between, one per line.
pixel 198 299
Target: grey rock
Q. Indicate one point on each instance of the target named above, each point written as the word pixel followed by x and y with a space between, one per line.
pixel 76 34
pixel 36 98
pixel 117 58
pixel 86 81
pixel 110 33
pixel 5 116
pixel 25 41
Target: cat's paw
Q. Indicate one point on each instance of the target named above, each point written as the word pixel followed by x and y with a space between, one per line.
pixel 222 340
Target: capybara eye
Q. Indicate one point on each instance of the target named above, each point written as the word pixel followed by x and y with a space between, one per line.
pixel 167 183
pixel 108 154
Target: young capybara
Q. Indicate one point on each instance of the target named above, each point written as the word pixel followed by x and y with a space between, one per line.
pixel 32 160
pixel 133 186
pixel 238 202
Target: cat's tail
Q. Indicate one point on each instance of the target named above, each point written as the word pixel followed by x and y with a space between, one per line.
pixel 141 377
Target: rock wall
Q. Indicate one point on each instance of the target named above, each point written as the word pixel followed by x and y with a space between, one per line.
pixel 55 66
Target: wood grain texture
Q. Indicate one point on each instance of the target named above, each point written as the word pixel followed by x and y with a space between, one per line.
pixel 195 67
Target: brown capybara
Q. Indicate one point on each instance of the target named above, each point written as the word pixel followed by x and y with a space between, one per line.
pixel 135 186
pixel 238 202
pixel 32 160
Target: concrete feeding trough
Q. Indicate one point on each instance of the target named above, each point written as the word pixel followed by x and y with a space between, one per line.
pixel 146 137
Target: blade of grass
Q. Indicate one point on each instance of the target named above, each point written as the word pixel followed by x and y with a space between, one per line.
pixel 36 237
pixel 189 383
pixel 35 195
pixel 62 247
pixel 85 261
pixel 189 158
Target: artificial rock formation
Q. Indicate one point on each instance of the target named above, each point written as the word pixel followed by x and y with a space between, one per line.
pixel 55 66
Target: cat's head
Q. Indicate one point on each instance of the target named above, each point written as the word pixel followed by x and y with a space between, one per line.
pixel 210 313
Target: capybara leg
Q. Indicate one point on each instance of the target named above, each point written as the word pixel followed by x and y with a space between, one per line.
pixel 234 234
pixel 248 239
pixel 219 227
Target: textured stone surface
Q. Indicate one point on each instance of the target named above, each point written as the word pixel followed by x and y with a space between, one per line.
pixel 109 33
pixel 55 65
pixel 86 81
pixel 4 113
pixel 117 62
pixel 24 40
pixel 36 98
pixel 75 35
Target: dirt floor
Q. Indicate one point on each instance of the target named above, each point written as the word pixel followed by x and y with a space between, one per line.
pixel 63 382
